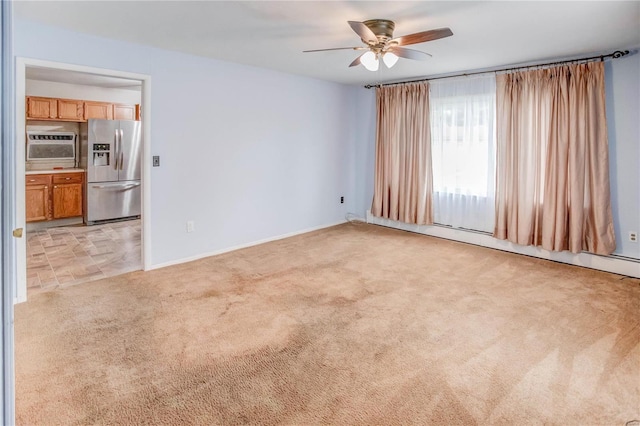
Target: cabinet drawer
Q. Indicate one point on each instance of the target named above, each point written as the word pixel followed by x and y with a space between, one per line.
pixel 67 178
pixel 38 179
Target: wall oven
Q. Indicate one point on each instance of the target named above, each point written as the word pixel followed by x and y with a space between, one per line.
pixel 49 150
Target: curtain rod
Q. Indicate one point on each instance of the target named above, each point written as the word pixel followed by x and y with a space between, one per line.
pixel 614 55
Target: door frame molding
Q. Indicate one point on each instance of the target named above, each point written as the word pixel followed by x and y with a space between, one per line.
pixel 8 244
pixel 20 291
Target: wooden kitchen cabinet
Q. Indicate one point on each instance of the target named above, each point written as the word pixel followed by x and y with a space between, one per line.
pixel 70 109
pixel 54 196
pixel 42 108
pixel 124 112
pixel 67 200
pixel 39 108
pixel 37 197
pixel 67 195
pixel 103 110
pixel 54 109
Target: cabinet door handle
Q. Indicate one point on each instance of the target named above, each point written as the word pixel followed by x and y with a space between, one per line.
pixel 67 178
pixel 32 180
pixel 55 187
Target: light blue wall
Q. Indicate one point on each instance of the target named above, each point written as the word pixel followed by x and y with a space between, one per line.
pixel 623 118
pixel 249 153
pixel 365 105
pixel 246 153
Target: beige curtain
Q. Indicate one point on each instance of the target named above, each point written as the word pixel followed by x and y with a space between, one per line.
pixel 403 176
pixel 552 172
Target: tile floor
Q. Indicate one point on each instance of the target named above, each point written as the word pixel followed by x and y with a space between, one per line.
pixel 62 256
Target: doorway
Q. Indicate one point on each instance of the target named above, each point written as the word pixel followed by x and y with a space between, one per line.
pixel 69 252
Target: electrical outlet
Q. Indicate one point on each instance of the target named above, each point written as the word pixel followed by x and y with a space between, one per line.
pixel 156 161
pixel 633 236
pixel 341 200
pixel 190 226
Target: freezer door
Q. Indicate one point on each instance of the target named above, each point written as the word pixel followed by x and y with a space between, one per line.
pixel 102 147
pixel 130 150
pixel 112 200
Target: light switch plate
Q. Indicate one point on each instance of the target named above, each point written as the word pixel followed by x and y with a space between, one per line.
pixel 156 161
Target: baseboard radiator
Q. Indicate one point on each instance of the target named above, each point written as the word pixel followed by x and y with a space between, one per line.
pixel 613 263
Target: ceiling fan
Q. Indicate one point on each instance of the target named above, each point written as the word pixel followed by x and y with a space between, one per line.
pixel 377 35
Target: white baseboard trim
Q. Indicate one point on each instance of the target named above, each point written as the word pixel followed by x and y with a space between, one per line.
pixel 242 246
pixel 617 265
pixel 38 226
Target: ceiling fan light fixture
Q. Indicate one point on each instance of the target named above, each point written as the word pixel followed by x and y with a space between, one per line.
pixel 381 45
pixel 370 61
pixel 390 59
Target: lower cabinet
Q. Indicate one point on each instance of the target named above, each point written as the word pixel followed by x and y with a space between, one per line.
pixel 67 200
pixel 53 196
pixel 37 197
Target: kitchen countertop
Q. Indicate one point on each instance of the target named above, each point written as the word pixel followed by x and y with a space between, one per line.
pixel 48 172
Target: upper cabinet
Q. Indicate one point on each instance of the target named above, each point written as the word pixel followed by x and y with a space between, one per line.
pixel 39 108
pixel 42 108
pixel 69 109
pixel 126 112
pixel 102 110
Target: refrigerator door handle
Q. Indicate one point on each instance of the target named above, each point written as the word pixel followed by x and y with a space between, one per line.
pixel 115 149
pixel 116 187
pixel 121 153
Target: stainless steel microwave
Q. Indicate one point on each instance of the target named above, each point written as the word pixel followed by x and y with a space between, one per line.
pixel 55 148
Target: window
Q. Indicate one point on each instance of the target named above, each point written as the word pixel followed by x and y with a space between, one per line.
pixel 463 152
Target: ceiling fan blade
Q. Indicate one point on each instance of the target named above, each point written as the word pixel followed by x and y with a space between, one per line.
pixel 356 61
pixel 334 48
pixel 422 37
pixel 403 52
pixel 364 32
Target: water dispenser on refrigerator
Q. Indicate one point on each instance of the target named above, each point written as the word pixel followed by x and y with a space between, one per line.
pixel 101 154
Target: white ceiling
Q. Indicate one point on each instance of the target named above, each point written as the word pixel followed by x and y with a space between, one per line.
pixel 273 34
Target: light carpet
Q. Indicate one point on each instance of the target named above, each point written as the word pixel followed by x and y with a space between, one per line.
pixel 354 324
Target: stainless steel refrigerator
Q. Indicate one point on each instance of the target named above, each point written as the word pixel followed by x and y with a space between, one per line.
pixel 110 152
